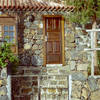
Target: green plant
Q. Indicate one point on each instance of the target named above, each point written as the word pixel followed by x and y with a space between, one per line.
pixel 85 10
pixel 7 57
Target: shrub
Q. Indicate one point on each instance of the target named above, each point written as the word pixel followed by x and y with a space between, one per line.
pixel 7 56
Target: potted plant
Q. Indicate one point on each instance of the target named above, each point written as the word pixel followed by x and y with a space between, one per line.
pixel 8 58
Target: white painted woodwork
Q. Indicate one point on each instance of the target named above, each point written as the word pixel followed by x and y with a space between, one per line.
pixel 9 87
pixel 93 48
pixel 93 30
pixel 70 87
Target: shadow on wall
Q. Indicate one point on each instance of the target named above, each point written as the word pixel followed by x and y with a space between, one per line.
pixel 37 61
pixel 27 41
pixel 25 88
pixel 29 59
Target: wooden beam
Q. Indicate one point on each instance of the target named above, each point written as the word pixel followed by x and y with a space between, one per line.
pixel 63 42
pixel 44 49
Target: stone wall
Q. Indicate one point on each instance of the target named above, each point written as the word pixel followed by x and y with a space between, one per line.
pixel 44 83
pixel 34 81
pixel 3 84
pixel 31 41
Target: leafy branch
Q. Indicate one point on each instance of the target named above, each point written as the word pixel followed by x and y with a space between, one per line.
pixel 84 10
pixel 7 56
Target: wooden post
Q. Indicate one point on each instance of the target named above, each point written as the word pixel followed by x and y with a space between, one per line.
pixel 94 39
pixel 63 43
pixel 92 53
pixel 94 45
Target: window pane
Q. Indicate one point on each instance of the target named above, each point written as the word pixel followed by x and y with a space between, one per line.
pixel 5 28
pixel 7 40
pixel 11 40
pixel 11 34
pixel 6 33
pixel 11 28
pixel 7 37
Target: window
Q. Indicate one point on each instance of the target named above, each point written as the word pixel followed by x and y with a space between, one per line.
pixel 8 32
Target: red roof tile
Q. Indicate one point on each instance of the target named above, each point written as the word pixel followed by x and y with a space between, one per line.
pixel 37 5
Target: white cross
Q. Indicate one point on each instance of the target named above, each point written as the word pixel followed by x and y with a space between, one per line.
pixel 92 48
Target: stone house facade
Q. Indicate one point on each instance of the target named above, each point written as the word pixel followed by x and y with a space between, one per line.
pixel 53 62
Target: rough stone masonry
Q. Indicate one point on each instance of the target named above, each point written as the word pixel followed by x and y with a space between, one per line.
pixel 51 82
pixel 3 84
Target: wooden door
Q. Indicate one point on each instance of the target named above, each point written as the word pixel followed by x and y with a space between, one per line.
pixel 53 39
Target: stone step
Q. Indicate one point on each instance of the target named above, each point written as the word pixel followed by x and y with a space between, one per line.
pixel 54 65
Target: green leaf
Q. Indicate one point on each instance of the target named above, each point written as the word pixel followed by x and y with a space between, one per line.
pixel 6 56
pixel 84 10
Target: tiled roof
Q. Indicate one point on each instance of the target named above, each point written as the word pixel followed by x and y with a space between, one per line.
pixel 38 5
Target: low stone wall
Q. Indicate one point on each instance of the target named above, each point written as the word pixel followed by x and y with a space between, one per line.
pixel 3 84
pixel 51 83
pixel 40 84
pixel 85 88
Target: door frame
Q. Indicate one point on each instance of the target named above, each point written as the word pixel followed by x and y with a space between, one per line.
pixel 62 40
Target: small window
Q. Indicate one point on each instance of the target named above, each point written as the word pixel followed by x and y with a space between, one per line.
pixel 11 28
pixel 5 28
pixel 8 33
